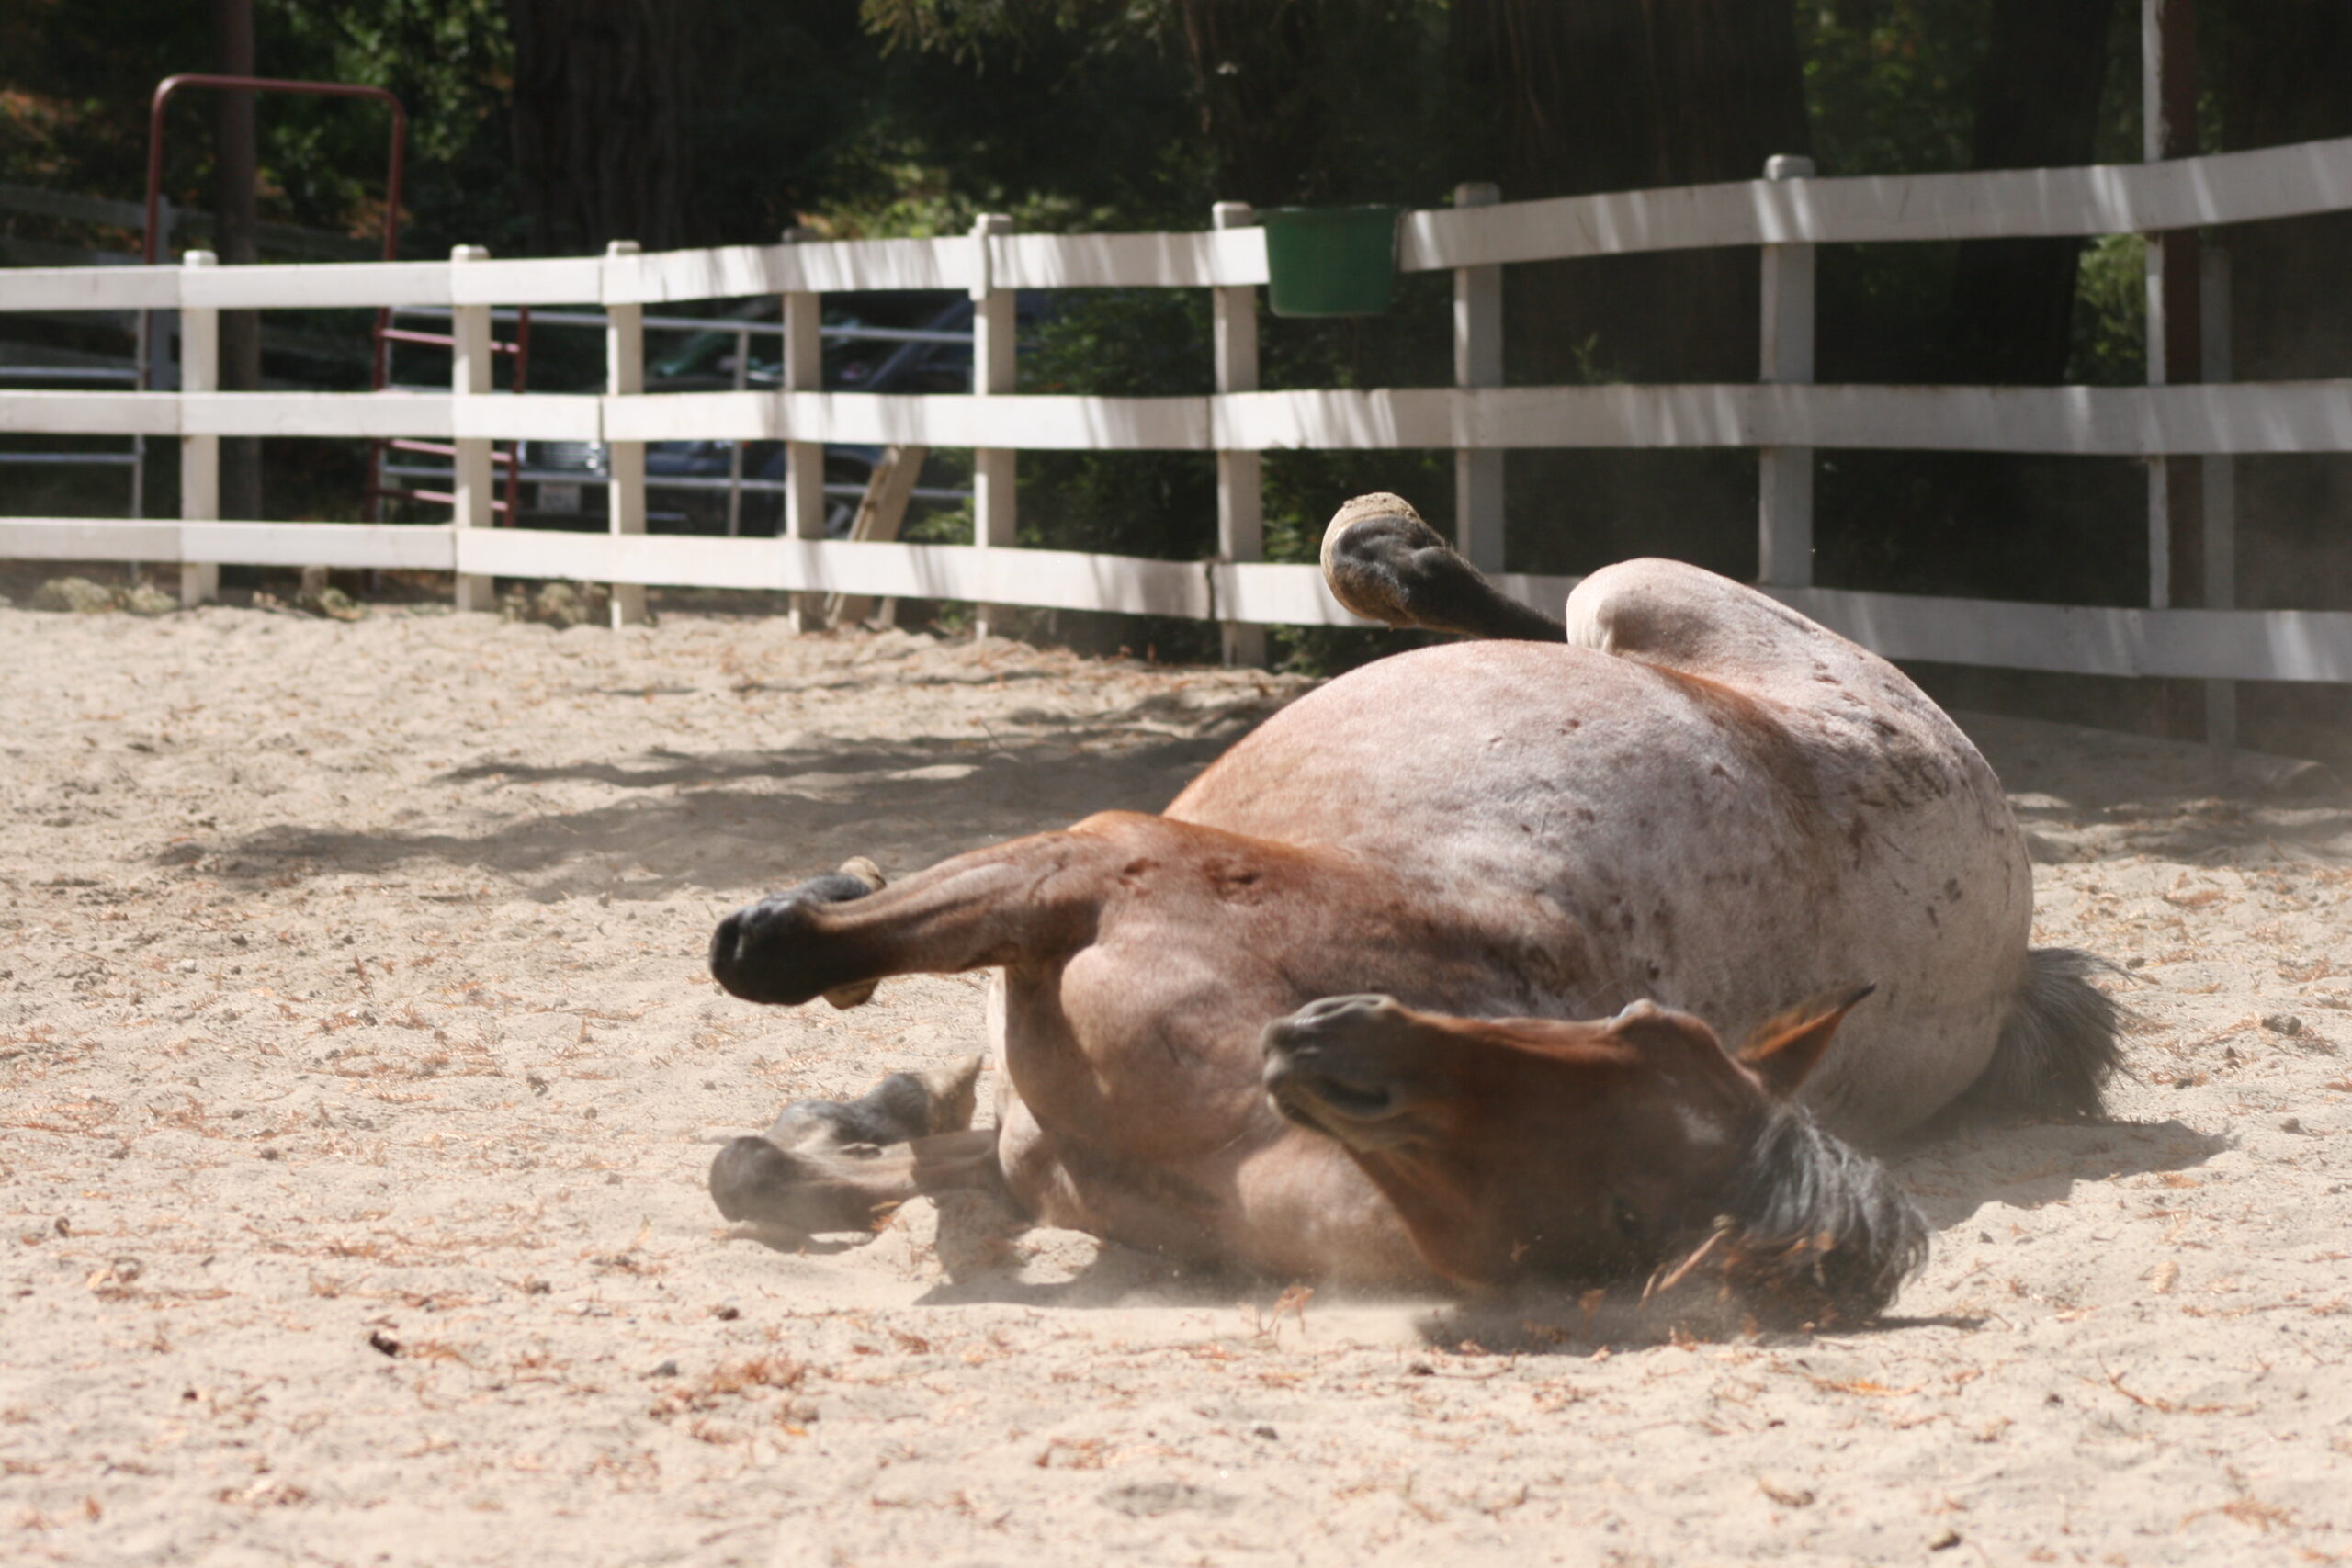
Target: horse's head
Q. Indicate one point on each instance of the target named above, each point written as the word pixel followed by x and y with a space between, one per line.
pixel 1603 1151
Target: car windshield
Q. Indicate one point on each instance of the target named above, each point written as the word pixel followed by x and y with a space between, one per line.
pixel 913 342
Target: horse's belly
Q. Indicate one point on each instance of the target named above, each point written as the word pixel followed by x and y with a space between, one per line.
pixel 1708 850
pixel 1939 925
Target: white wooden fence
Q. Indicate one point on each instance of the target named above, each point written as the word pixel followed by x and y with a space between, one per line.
pixel 1783 416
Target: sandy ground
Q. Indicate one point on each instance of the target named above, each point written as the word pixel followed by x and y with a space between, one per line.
pixel 361 1073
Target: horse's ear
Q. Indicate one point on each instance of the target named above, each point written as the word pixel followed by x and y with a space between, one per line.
pixel 1787 1046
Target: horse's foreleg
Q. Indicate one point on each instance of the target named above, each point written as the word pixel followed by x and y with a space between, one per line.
pixel 836 1166
pixel 821 1188
pixel 902 1107
pixel 1028 901
pixel 827 1166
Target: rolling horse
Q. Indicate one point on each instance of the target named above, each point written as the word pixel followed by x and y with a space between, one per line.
pixel 1430 977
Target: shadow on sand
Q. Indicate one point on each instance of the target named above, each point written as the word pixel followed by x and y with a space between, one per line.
pixel 990 1257
pixel 2040 1163
pixel 725 821
pixel 1951 1177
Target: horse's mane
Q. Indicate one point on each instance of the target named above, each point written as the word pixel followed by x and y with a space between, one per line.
pixel 1817 1233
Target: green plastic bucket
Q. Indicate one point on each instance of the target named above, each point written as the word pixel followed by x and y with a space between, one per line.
pixel 1330 261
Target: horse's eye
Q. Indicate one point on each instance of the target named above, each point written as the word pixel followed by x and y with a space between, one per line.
pixel 1625 1219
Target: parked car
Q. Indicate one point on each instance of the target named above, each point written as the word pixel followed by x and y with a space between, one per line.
pixel 894 343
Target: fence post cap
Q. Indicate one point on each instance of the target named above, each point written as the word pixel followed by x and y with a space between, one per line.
pixel 1232 215
pixel 1477 193
pixel 199 258
pixel 469 252
pixel 1787 166
pixel 621 248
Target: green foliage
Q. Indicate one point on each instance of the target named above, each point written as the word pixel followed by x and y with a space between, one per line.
pixel 1074 129
pixel 449 61
pixel 1887 83
pixel 967 30
pixel 1121 343
pixel 871 118
pixel 2111 324
pixel 75 79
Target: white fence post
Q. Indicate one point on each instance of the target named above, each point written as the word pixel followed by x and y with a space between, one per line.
pixel 1479 362
pixel 472 488
pixel 2152 149
pixel 1240 488
pixel 143 362
pixel 995 509
pixel 625 460
pixel 1784 474
pixel 803 461
pixel 200 455
pixel 2220 491
pixel 2171 350
pixel 734 447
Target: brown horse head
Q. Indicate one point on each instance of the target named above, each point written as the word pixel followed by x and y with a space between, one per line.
pixel 1602 1151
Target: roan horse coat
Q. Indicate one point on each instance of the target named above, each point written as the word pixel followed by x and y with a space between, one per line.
pixel 1690 797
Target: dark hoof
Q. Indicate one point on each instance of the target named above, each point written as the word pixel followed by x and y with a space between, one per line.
pixel 1385 564
pixel 749 1178
pixel 770 952
pixel 1376 551
pixel 754 1182
pixel 900 1109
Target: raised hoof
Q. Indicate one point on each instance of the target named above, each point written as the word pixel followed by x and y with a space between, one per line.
pixel 1375 549
pixel 762 952
pixel 1385 564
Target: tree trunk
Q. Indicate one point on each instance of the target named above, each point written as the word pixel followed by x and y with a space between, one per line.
pixel 598 92
pixel 2282 70
pixel 2037 107
pixel 1248 58
pixel 234 161
pixel 1562 99
pixel 1311 100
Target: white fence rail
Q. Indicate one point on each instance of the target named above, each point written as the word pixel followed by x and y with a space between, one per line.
pixel 2241 645
pixel 1783 416
pixel 2243 418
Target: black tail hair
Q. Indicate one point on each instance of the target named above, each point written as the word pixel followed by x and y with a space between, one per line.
pixel 2059 1046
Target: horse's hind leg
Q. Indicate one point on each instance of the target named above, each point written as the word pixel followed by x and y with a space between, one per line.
pixel 1383 562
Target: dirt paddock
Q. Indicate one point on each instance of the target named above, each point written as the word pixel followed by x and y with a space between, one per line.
pixel 361 1073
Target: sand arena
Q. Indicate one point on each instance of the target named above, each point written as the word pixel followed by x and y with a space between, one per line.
pixel 361 1072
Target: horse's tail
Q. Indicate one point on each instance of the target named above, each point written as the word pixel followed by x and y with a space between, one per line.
pixel 2059 1045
